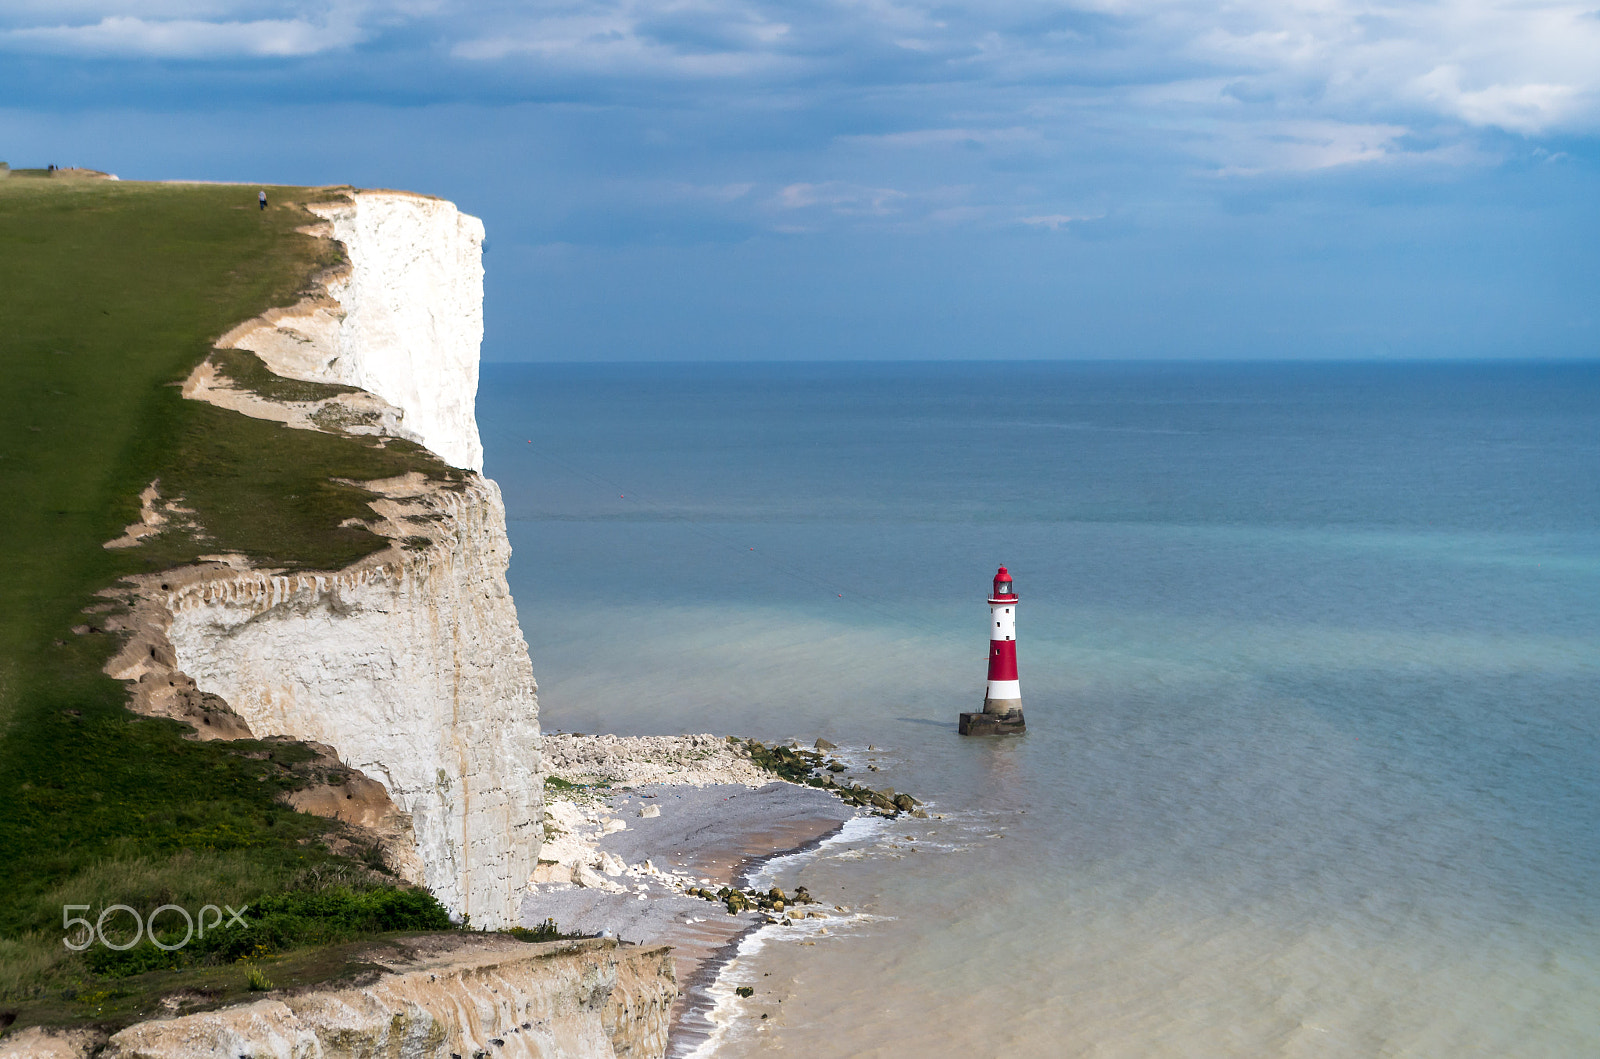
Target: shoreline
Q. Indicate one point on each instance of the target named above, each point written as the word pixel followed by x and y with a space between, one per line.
pixel 634 882
pixel 696 1001
pixel 635 823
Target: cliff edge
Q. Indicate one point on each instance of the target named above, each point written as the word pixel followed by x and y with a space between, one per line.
pixel 421 998
pixel 409 664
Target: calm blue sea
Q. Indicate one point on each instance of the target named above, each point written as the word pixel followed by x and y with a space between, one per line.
pixel 1310 655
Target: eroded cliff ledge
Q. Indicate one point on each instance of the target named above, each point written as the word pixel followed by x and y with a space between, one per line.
pixel 424 998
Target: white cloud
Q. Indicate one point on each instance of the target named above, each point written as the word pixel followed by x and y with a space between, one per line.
pixel 1053 221
pixel 841 198
pixel 131 36
pixel 1528 66
pixel 1249 149
pixel 1525 108
pixel 634 38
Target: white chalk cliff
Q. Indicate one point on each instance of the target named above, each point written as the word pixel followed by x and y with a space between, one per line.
pixel 404 321
pixel 410 664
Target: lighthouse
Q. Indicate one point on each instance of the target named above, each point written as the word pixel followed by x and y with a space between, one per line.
pixel 1002 699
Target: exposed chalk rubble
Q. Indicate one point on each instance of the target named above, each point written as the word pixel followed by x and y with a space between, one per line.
pixel 629 761
pixel 571 855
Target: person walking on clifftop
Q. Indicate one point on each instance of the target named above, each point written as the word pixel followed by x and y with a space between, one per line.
pixel 262 198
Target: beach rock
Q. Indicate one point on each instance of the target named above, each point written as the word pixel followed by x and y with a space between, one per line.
pixel 835 766
pixel 37 1042
pixel 904 802
pixel 745 991
pixel 823 744
pixel 650 811
pixel 612 864
pixel 551 873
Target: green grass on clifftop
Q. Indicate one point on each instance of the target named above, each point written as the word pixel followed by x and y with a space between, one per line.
pixel 110 294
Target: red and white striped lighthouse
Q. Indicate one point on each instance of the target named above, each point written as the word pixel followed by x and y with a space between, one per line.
pixel 1002 699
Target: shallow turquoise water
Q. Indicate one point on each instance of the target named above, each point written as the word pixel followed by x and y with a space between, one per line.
pixel 1310 655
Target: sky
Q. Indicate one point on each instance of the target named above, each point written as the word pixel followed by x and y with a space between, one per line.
pixel 898 179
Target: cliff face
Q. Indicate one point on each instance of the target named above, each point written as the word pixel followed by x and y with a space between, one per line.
pixel 409 664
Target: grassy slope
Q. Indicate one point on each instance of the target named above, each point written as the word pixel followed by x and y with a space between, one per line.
pixel 110 293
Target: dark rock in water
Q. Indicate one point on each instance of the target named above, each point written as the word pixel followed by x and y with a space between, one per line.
pixel 881 801
pixel 835 766
pixel 904 802
pixel 823 744
pixel 745 991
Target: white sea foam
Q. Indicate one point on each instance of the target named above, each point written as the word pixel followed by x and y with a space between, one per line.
pixel 861 829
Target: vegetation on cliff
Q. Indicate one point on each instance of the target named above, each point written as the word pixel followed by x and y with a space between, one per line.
pixel 112 292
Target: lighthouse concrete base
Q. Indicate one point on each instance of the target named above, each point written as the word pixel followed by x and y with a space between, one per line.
pixel 992 723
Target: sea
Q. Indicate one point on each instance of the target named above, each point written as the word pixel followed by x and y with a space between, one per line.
pixel 1309 654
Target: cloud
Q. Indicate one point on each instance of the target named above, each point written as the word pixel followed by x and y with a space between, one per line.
pixel 1528 108
pixel 130 36
pixel 631 38
pixel 1053 221
pixel 839 197
pixel 919 138
pixel 1527 66
pixel 1306 146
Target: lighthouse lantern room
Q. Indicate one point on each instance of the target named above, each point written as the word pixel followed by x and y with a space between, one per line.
pixel 1002 699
